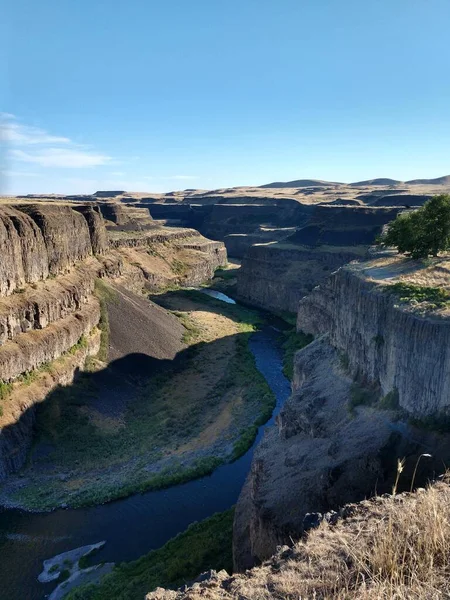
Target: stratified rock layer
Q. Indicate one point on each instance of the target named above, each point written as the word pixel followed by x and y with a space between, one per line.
pixel 386 343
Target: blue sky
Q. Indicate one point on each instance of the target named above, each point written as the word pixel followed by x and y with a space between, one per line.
pixel 150 95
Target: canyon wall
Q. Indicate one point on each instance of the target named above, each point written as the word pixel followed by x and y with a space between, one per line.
pixel 365 393
pixel 277 275
pixel 386 343
pixel 52 255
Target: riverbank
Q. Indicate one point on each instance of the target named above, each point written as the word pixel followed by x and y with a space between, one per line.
pixel 203 546
pixel 141 521
pixel 145 423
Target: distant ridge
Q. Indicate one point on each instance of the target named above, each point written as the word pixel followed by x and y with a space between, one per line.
pixel 445 180
pixel 300 183
pixel 378 181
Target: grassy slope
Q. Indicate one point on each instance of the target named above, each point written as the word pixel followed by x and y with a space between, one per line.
pixel 214 397
pixel 203 546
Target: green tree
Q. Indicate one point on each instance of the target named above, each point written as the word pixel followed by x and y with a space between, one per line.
pixel 422 232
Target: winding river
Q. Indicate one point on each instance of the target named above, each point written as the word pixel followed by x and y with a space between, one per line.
pixel 135 525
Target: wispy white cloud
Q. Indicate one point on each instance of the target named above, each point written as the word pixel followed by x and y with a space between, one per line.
pixel 36 146
pixel 60 157
pixel 19 174
pixel 16 133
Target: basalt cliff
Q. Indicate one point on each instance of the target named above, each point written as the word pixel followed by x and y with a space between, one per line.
pixel 371 389
pixel 50 315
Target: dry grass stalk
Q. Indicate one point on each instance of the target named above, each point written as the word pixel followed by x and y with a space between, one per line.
pixel 392 548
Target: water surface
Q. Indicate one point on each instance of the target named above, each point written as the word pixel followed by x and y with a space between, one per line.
pixel 132 526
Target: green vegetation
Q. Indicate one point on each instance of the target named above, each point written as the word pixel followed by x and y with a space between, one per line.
pixel 294 342
pixel 65 574
pixel 360 396
pixel 105 295
pixel 438 422
pixel 193 331
pixel 203 546
pixel 390 401
pixel 378 340
pixel 408 292
pixel 212 389
pixel 424 232
pixel 179 267
pixel 5 389
pixel 344 361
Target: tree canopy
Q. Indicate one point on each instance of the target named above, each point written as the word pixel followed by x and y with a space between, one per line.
pixel 423 232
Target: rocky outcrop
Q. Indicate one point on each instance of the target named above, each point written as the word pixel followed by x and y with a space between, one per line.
pixel 24 257
pixel 65 232
pixel 46 302
pixel 96 224
pixel 28 351
pixel 322 454
pixel 127 217
pixel 48 310
pixel 365 394
pixel 19 411
pixel 386 343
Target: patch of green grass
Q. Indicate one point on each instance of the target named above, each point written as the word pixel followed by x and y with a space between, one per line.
pixel 203 546
pixel 193 331
pixel 178 267
pixel 294 342
pixel 360 396
pixel 5 389
pixel 438 422
pixel 247 318
pixel 158 419
pixel 390 401
pixel 105 295
pixel 82 344
pixel 63 576
pixel 408 292
pixel 54 568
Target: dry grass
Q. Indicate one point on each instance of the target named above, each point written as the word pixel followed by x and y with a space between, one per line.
pixel 395 547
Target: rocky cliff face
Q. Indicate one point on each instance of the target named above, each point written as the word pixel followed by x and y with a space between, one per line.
pixel 377 368
pixel 276 276
pixel 51 257
pixel 65 233
pixel 23 251
pixel 385 342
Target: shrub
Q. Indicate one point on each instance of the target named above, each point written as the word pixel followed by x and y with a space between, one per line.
pixel 390 401
pixel 423 232
pixel 360 395
pixel 409 292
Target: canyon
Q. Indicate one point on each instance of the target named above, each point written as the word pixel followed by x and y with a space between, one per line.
pixel 101 334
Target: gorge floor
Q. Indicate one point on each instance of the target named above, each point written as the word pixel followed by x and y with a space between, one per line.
pixel 141 522
pixel 146 422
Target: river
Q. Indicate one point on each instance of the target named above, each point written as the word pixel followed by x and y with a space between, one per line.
pixel 135 525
